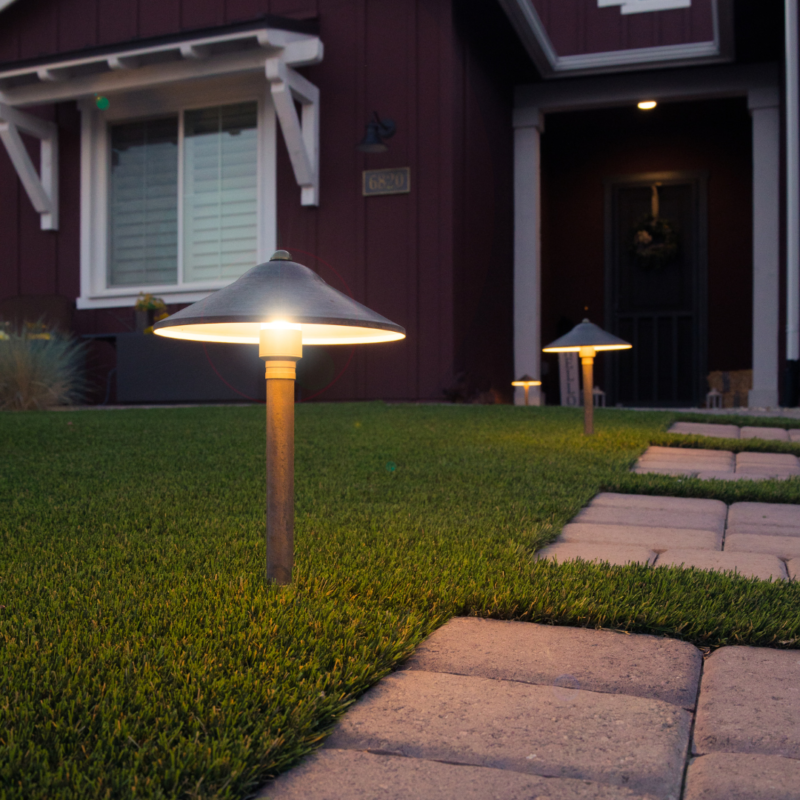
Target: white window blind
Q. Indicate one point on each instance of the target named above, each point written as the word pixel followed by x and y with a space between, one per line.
pixel 220 192
pixel 143 212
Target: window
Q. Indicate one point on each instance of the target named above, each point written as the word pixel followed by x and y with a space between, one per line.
pixel 177 203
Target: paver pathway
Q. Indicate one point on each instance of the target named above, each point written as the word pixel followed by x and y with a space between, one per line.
pixel 757 540
pixel 719 464
pixel 735 432
pixel 517 711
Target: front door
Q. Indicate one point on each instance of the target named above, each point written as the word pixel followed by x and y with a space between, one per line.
pixel 656 233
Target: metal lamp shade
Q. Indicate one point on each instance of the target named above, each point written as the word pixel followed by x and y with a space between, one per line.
pixel 526 380
pixel 279 291
pixel 586 334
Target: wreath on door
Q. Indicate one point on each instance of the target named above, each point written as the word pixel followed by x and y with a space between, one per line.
pixel 655 241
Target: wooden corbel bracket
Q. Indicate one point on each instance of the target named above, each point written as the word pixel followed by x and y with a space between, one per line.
pixel 288 86
pixel 41 186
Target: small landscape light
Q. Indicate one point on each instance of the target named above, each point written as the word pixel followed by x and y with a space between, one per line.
pixel 280 306
pixel 647 105
pixel 587 339
pixel 526 382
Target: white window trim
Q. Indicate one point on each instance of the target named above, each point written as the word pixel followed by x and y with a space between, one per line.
pixel 95 182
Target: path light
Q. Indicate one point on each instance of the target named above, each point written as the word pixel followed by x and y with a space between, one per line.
pixel 526 381
pixel 280 306
pixel 587 339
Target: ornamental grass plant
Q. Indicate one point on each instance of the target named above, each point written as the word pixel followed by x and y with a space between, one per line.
pixel 37 372
pixel 143 655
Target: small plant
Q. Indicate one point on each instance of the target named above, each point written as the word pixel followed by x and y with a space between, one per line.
pixel 149 310
pixel 38 372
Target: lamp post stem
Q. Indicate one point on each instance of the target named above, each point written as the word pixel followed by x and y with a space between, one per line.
pixel 588 397
pixel 526 395
pixel 280 478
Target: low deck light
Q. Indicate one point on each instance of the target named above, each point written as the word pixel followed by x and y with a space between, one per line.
pixel 280 306
pixel 587 339
pixel 526 382
pixel 647 105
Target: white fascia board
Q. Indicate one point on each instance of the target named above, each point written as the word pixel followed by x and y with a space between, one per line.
pixel 128 69
pixel 5 4
pixel 614 90
pixel 644 6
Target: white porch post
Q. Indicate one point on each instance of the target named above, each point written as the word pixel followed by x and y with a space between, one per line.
pixel 764 110
pixel 528 127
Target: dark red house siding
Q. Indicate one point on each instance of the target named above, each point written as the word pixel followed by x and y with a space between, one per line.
pixel 437 260
pixel 712 136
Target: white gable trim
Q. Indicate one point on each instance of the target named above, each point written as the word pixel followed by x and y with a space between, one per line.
pixel 5 4
pixel 534 37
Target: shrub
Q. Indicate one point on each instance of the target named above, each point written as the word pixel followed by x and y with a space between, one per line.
pixel 39 372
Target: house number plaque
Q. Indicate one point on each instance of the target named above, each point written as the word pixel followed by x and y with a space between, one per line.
pixel 387 181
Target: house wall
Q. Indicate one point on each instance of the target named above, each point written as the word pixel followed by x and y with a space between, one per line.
pixel 713 136
pixel 436 260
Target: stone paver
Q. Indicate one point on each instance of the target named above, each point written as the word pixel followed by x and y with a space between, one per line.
pixel 733 476
pixel 774 434
pixel 614 554
pixel 794 435
pixel 564 658
pixel 640 536
pixel 750 702
pixel 617 740
pixel 748 565
pixel 653 517
pixel 764 530
pixel 673 504
pixel 760 514
pixel 728 776
pixel 782 460
pixel 706 429
pixel 353 775
pixel 793 568
pixel 781 546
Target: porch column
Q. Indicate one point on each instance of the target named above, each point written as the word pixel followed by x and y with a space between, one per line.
pixel 528 127
pixel 764 110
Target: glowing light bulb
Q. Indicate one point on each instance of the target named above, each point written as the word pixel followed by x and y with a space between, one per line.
pixel 646 105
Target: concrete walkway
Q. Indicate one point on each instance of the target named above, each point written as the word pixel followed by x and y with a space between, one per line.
pixel 756 540
pixel 517 711
pixel 719 464
pixel 735 432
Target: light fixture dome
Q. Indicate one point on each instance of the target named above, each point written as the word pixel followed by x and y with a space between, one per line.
pixel 276 293
pixel 587 334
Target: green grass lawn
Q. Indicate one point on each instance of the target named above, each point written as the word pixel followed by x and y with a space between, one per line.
pixel 142 653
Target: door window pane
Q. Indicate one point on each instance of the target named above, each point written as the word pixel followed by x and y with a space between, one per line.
pixel 220 197
pixel 143 208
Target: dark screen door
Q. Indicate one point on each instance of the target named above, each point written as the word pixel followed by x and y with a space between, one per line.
pixel 656 296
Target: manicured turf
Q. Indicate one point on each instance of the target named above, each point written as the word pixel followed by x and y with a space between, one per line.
pixel 142 654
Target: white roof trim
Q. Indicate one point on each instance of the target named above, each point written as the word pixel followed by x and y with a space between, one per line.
pixel 534 36
pixel 5 4
pixel 130 68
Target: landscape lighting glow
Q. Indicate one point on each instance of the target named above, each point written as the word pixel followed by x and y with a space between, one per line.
pixel 647 105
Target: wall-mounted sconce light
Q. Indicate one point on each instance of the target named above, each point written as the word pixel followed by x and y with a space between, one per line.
pixel 377 130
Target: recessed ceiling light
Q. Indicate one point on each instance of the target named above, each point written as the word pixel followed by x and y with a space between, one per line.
pixel 646 105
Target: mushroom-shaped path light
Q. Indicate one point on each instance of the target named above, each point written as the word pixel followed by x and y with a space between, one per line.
pixel 280 306
pixel 587 339
pixel 526 381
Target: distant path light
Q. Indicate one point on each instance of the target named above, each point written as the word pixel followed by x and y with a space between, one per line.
pixel 647 105
pixel 526 381
pixel 587 339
